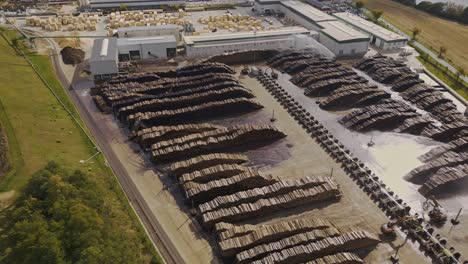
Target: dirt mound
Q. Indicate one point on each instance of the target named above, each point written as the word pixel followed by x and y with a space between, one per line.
pixel 72 56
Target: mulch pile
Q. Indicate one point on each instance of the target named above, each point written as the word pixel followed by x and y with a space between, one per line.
pixel 72 56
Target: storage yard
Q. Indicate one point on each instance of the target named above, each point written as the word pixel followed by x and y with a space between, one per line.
pixel 285 154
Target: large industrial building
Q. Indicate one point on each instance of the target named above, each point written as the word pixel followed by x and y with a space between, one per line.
pixel 339 38
pixel 107 53
pixel 380 37
pixel 104 59
pixel 160 30
pixel 214 44
pixel 130 4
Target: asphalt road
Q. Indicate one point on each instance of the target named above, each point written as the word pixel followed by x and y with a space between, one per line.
pixel 154 229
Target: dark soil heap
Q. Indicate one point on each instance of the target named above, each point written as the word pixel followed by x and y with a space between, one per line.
pixel 72 56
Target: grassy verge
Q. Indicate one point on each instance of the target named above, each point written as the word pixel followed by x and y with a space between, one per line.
pixel 454 83
pixel 39 130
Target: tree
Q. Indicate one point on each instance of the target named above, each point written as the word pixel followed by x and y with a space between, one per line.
pixel 464 16
pixel 359 5
pixel 415 32
pixel 123 7
pixel 460 72
pixel 442 51
pixel 377 13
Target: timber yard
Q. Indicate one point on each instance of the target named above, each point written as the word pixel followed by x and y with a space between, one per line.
pixel 268 132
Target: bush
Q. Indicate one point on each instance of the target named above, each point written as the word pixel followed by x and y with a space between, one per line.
pixel 64 216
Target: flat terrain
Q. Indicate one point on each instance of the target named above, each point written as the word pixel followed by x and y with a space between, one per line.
pixel 40 130
pixel 37 127
pixel 435 31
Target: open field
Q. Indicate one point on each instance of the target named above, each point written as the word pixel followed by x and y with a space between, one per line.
pixel 40 130
pixel 435 31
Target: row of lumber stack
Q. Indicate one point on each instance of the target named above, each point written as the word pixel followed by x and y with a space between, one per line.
pixel 445 165
pixel 311 240
pixel 341 86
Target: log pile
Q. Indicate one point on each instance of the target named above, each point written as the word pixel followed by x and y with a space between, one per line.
pixel 458 145
pixel 449 159
pixel 268 233
pixel 244 136
pixel 201 111
pixel 324 244
pixel 444 177
pixel 268 191
pixel 338 258
pixel 204 161
pixel 330 245
pixel 324 192
pixel 148 136
pixel 411 88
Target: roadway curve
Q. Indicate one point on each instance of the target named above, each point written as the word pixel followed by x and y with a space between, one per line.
pixel 157 234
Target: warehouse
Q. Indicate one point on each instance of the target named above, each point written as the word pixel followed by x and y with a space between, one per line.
pixel 107 53
pixel 339 38
pixel 380 37
pixel 160 47
pixel 130 4
pixel 148 31
pixel 342 40
pixel 214 44
pixel 103 62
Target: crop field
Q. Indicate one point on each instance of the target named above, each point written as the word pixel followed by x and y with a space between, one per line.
pixel 435 31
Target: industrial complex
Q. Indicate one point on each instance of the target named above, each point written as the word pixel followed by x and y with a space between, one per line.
pixel 269 132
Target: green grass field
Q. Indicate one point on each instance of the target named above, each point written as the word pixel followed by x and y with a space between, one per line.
pixel 435 31
pixel 40 130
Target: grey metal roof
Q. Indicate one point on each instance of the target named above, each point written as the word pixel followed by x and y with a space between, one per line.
pixel 111 50
pixel 145 28
pixel 369 27
pixel 146 40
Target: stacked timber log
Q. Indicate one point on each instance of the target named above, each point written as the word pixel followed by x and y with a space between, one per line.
pixel 198 144
pixel 257 235
pixel 330 245
pixel 204 161
pixel 324 244
pixel 268 191
pixel 204 110
pixel 449 159
pixel 444 177
pixel 326 191
pixel 338 258
pixel 459 145
pixel 148 136
pixel 411 88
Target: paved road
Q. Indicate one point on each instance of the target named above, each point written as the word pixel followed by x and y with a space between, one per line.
pixel 157 234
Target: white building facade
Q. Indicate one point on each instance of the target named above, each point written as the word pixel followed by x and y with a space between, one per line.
pixel 149 31
pixel 160 47
pixel 380 37
pixel 103 63
pixel 214 44
pixel 339 38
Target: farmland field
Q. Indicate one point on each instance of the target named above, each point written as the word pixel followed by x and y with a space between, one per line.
pixel 435 31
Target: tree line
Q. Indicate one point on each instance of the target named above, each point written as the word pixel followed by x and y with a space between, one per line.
pixel 448 10
pixel 64 216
